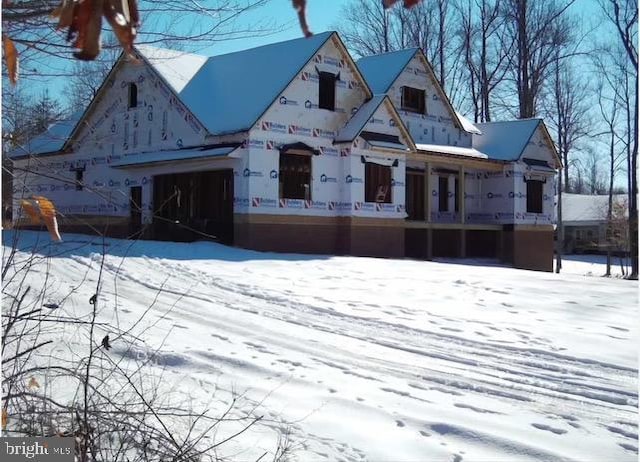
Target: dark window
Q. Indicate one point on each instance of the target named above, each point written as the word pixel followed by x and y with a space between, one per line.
pixel 377 183
pixel 133 95
pixel 415 195
pixel 413 100
pixel 327 99
pixel 443 194
pixel 295 176
pixel 534 196
pixel 79 179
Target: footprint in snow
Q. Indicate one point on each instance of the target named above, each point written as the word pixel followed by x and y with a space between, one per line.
pixel 620 431
pixel 332 390
pixel 400 423
pixel 475 409
pixel 557 431
pixel 622 329
pixel 425 434
pixel 396 392
pixel 452 329
pixel 629 447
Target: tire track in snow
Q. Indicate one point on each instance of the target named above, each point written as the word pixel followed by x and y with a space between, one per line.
pixel 579 386
pixel 484 357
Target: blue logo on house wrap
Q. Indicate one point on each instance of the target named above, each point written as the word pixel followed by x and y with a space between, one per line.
pixel 327 179
pixel 247 173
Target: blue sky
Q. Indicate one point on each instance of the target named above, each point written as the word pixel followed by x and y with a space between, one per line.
pixel 322 15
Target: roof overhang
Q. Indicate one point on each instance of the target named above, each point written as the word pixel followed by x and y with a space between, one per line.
pixel 299 148
pixel 180 155
pixel 460 161
pixel 384 141
pixel 537 165
pixel 451 150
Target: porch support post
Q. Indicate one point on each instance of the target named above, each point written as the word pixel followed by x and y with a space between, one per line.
pixel 461 211
pixel 427 208
pixel 461 193
pixel 427 192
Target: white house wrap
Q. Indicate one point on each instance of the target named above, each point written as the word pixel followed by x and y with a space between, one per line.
pixel 295 147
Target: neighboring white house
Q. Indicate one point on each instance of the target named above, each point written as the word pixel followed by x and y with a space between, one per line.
pixel 295 147
pixel 584 218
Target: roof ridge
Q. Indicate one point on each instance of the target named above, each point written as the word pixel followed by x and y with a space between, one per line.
pixel 267 45
pixel 172 50
pixel 414 49
pixel 528 119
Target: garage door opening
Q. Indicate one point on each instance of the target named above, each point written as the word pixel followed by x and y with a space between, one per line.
pixel 194 206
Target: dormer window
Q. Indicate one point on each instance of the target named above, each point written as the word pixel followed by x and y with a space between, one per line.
pixel 133 95
pixel 413 100
pixel 327 91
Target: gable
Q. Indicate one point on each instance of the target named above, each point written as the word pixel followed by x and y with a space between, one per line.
pixel 440 124
pixel 385 120
pixel 540 147
pixel 230 92
pixel 295 110
pixel 159 121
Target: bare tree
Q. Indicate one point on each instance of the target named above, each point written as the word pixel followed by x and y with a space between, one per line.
pixel 568 114
pixel 535 33
pixel 623 15
pixel 45 53
pixel 609 112
pixel 595 177
pixel 368 28
pixel 485 57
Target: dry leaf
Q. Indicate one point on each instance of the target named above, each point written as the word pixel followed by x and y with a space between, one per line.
pixel 83 18
pixel 64 11
pixel 87 20
pixel 300 6
pixel 5 419
pixel 33 384
pixel 11 56
pixel 124 19
pixel 40 209
pixel 407 3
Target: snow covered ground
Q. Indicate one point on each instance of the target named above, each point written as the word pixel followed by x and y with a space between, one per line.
pixel 591 265
pixel 376 359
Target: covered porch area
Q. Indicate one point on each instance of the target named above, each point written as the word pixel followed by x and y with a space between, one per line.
pixel 442 211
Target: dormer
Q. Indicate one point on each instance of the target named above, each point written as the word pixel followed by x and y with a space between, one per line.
pixel 408 79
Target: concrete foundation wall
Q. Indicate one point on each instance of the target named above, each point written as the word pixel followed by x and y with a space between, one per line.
pixel 523 247
pixel 330 235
